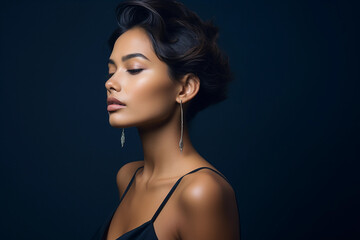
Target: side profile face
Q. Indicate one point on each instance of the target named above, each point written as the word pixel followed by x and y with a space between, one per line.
pixel 139 80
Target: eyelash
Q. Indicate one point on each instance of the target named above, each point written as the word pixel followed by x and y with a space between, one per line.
pixel 134 71
pixel 131 71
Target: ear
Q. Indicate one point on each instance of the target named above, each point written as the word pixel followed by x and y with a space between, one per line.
pixel 189 87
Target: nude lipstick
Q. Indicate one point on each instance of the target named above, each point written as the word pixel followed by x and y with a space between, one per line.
pixel 114 104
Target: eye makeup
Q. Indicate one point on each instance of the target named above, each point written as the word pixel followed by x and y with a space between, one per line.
pixel 135 71
pixel 131 71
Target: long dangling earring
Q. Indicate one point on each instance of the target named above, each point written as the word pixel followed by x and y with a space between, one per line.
pixel 122 138
pixel 181 144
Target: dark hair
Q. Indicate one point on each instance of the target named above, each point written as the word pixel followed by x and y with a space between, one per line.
pixel 184 42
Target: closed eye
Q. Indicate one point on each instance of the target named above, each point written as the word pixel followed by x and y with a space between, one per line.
pixel 134 71
pixel 131 71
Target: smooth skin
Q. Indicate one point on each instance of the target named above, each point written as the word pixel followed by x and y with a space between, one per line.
pixel 203 206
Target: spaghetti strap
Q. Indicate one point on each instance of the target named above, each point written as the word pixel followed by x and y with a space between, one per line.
pixel 145 230
pixel 129 185
pixel 174 187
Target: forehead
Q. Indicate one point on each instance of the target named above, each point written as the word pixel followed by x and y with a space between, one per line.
pixel 134 40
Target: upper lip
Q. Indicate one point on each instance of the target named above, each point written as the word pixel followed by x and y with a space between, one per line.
pixel 112 100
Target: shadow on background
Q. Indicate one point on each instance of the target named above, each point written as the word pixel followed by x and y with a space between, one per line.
pixel 287 137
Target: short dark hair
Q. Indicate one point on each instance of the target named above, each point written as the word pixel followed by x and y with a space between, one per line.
pixel 184 42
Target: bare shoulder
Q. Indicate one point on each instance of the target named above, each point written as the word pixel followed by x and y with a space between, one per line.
pixel 205 187
pixel 209 207
pixel 125 174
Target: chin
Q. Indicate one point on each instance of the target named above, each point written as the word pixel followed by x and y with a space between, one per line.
pixel 117 121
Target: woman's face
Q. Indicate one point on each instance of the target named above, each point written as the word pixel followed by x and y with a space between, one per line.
pixel 140 81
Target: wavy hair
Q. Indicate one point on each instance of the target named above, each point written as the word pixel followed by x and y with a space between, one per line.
pixel 184 42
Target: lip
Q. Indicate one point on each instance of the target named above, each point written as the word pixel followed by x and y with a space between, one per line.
pixel 114 107
pixel 114 104
pixel 112 100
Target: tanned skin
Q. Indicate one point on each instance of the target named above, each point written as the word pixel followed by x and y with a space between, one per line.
pixel 203 206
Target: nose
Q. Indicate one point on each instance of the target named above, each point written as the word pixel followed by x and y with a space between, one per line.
pixel 111 84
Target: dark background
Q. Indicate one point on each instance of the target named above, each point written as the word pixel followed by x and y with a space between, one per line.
pixel 287 137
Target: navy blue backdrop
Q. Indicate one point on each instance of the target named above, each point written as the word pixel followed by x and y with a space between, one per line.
pixel 287 137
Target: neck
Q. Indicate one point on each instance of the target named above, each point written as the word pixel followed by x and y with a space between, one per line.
pixel 162 156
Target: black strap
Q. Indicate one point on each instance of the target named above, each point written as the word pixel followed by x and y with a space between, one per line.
pixel 129 185
pixel 174 187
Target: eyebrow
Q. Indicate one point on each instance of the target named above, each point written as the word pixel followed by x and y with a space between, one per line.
pixel 127 57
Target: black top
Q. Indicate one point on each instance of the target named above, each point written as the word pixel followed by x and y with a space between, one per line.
pixel 146 230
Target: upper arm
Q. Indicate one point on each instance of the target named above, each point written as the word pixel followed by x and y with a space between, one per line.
pixel 125 174
pixel 209 210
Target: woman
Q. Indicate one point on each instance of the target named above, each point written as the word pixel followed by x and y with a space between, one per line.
pixel 165 66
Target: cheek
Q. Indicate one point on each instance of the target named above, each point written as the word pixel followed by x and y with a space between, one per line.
pixel 152 95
